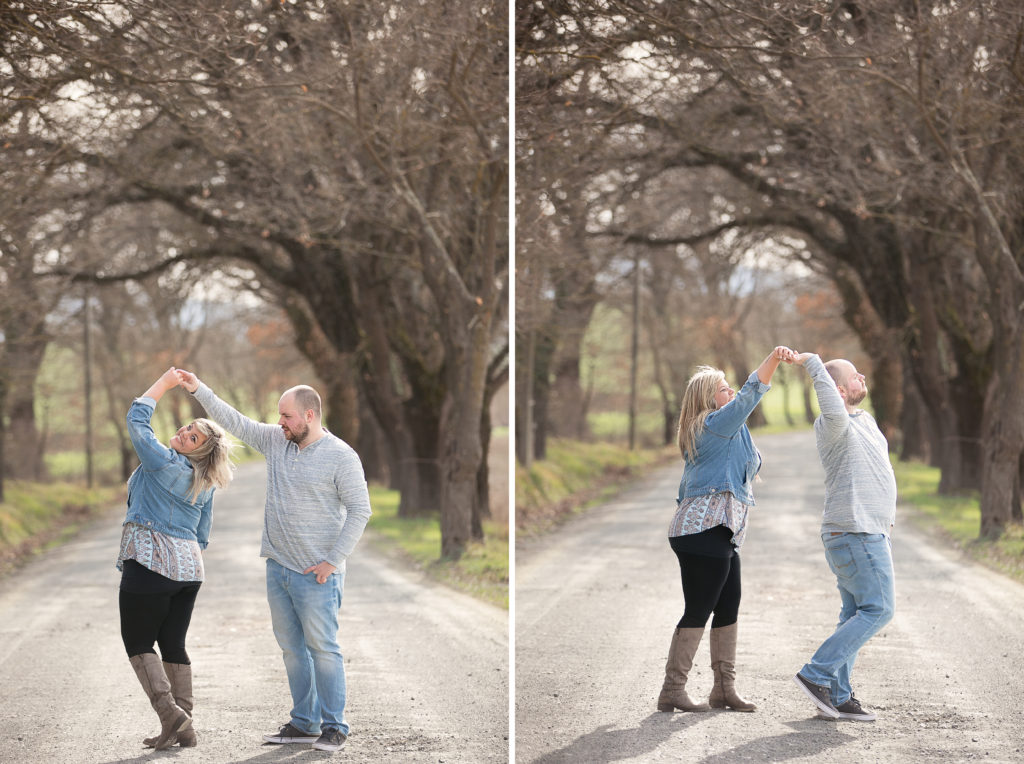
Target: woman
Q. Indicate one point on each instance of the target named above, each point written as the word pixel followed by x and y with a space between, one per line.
pixel 170 506
pixel 715 494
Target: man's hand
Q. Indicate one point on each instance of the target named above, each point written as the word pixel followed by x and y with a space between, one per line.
pixel 799 358
pixel 323 570
pixel 783 354
pixel 188 380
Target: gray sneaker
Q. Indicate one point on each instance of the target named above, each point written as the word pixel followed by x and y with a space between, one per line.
pixel 290 734
pixel 332 740
pixel 852 710
pixel 819 695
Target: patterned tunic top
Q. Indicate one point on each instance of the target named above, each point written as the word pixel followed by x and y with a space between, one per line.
pixel 700 513
pixel 173 558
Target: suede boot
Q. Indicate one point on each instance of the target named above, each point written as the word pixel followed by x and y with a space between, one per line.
pixel 723 664
pixel 153 678
pixel 180 676
pixel 680 660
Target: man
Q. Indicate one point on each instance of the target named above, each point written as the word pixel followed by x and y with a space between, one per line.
pixel 316 509
pixel 860 511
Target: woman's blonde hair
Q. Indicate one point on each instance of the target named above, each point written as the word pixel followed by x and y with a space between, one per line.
pixel 211 461
pixel 698 402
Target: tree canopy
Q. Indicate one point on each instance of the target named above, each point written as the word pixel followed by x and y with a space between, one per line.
pixel 881 139
pixel 350 158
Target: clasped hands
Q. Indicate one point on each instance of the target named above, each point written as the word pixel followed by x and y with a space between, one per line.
pixel 787 355
pixel 175 376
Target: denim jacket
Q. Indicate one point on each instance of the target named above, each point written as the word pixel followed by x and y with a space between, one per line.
pixel 159 488
pixel 726 457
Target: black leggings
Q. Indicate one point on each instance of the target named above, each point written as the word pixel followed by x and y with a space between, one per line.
pixel 155 609
pixel 711 581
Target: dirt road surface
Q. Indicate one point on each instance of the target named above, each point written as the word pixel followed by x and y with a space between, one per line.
pixel 596 604
pixel 427 667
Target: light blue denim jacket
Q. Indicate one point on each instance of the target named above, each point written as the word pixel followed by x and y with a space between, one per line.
pixel 726 457
pixel 158 490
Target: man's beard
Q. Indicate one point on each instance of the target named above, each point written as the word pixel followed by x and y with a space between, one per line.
pixel 855 398
pixel 296 436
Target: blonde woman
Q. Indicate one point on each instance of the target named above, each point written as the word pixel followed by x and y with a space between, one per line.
pixel 710 523
pixel 170 508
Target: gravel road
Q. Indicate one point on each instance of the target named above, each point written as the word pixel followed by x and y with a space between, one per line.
pixel 427 667
pixel 596 604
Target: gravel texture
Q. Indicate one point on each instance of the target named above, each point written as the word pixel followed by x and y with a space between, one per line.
pixel 427 667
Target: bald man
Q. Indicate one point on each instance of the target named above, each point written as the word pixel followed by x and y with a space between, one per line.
pixel 316 509
pixel 859 513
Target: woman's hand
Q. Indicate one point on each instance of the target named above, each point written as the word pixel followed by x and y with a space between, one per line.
pixel 771 363
pixel 784 354
pixel 170 378
pixel 188 380
pixel 167 381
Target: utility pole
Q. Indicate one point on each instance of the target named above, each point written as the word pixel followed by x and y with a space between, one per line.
pixel 635 354
pixel 86 337
pixel 528 426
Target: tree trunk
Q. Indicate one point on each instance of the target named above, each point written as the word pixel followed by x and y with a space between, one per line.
pixel 805 393
pixel 916 427
pixel 566 415
pixel 3 430
pixel 460 438
pixel 1018 493
pixel 341 398
pixel 373 450
pixel 935 384
pixel 425 422
pixel 543 350
pixel 1002 435
pixel 884 344
pixel 23 356
pixel 496 380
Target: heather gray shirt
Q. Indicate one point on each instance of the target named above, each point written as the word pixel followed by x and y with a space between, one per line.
pixel 317 503
pixel 860 487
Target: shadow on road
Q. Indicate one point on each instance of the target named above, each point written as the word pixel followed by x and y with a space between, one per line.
pixel 607 744
pixel 268 752
pixel 812 737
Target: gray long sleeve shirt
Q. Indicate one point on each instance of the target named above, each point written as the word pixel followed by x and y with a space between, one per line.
pixel 317 502
pixel 860 487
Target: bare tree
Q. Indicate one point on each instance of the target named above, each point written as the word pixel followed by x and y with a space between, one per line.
pixel 878 133
pixel 353 156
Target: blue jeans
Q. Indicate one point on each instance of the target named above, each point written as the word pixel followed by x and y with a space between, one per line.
pixel 305 619
pixel 862 563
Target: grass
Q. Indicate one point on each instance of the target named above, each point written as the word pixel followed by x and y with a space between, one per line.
pixel 574 476
pixel 70 465
pixel 483 569
pixel 957 519
pixel 36 516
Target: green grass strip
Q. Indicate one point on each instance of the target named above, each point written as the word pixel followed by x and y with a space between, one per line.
pixel 35 516
pixel 576 475
pixel 483 569
pixel 957 519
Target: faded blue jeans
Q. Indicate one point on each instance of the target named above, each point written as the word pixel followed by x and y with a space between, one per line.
pixel 862 563
pixel 304 615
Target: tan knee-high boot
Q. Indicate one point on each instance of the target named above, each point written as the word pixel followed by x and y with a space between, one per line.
pixel 680 660
pixel 173 719
pixel 723 664
pixel 180 677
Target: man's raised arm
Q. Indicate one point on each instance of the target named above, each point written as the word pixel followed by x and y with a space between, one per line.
pixel 252 433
